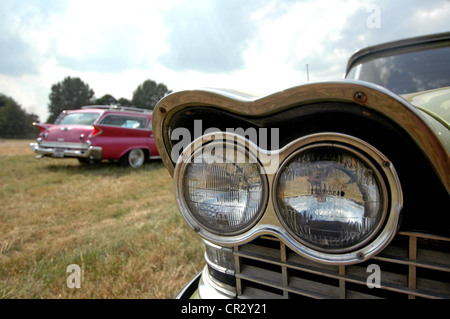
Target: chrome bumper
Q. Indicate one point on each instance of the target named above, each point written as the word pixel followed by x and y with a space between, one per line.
pixel 190 291
pixel 60 150
pixel 204 286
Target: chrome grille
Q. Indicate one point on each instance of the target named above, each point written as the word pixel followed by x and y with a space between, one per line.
pixel 414 265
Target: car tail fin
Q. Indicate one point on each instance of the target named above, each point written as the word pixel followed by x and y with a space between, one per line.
pixel 97 131
pixel 42 127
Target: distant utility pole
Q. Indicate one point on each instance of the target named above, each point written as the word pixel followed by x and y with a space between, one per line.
pixel 307 72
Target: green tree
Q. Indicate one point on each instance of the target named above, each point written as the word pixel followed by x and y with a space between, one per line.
pixel 148 94
pixel 70 94
pixel 15 122
pixel 106 99
pixel 123 102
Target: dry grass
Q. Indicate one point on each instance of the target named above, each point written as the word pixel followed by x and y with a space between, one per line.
pixel 120 225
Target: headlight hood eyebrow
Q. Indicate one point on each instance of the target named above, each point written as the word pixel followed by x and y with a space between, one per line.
pixel 434 145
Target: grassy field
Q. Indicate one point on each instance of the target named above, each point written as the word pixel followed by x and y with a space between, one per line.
pixel 120 225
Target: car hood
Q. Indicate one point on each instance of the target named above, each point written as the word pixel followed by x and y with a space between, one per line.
pixel 435 103
pixel 435 106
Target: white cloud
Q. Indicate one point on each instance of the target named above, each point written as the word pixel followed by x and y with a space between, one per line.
pixel 259 46
pixel 109 35
pixel 296 38
pixel 433 17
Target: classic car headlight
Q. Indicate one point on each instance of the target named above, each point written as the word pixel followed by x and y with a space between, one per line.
pixel 335 198
pixel 331 197
pixel 220 188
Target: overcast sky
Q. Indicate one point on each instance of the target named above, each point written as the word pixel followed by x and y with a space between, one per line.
pixel 258 46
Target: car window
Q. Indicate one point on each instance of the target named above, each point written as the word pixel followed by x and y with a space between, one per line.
pixel 124 121
pixel 408 72
pixel 78 118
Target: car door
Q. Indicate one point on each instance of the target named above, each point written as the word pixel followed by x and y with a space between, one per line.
pixel 120 133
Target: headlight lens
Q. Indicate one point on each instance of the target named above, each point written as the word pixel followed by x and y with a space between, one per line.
pixel 222 188
pixel 331 198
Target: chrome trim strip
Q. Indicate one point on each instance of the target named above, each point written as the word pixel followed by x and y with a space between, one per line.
pixel 269 223
pixel 71 145
pixel 214 265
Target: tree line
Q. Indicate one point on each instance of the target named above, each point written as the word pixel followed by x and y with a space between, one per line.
pixel 15 122
pixel 70 94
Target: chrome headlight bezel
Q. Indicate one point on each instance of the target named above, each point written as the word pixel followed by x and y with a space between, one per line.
pixel 269 221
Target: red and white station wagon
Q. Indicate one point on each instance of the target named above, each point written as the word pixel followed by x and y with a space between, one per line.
pixel 95 133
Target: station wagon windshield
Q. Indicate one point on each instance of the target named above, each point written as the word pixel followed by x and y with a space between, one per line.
pixel 407 72
pixel 78 118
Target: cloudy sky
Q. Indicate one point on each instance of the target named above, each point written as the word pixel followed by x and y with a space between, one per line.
pixel 258 46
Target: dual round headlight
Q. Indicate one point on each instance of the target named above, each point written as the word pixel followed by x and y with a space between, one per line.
pixel 223 188
pixel 332 198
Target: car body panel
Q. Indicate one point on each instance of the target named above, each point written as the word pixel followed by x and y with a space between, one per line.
pixel 69 133
pixel 117 141
pixel 434 102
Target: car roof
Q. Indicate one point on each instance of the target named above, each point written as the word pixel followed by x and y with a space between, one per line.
pixel 120 109
pixel 399 46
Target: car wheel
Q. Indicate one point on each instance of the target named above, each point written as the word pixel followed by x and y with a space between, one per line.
pixel 135 158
